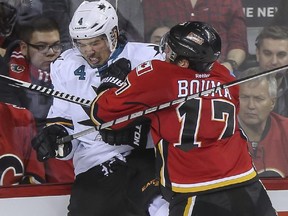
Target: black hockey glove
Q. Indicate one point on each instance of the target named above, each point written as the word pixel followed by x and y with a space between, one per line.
pixel 134 135
pixel 45 143
pixel 114 75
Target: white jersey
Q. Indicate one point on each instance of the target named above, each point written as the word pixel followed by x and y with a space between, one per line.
pixel 71 74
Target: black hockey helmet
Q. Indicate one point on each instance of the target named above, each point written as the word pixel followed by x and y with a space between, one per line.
pixel 198 42
pixel 8 15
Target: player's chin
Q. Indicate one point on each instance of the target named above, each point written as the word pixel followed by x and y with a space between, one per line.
pixel 94 65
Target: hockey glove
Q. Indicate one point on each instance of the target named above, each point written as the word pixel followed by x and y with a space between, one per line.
pixel 46 146
pixel 114 75
pixel 135 135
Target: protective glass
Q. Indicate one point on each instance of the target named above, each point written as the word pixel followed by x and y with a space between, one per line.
pixel 7 19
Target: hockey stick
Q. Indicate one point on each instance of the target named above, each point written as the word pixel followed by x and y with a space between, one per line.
pixel 44 90
pixel 170 103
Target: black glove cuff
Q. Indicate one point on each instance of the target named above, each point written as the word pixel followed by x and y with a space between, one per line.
pixel 114 75
pixel 135 135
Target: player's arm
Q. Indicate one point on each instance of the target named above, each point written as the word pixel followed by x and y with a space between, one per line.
pixel 59 123
pixel 134 134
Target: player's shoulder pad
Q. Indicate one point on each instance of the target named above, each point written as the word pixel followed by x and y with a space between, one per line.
pixel 70 58
pixel 151 51
pixel 69 55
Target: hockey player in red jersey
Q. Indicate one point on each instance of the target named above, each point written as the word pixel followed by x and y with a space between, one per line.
pixel 203 163
pixel 18 160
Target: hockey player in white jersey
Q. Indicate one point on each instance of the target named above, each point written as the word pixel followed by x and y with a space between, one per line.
pixel 110 180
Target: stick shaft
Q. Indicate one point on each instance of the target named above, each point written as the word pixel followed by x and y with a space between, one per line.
pixel 85 102
pixel 46 91
pixel 180 100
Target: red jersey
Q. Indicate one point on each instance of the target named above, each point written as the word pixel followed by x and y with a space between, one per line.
pixel 18 160
pixel 199 144
pixel 270 155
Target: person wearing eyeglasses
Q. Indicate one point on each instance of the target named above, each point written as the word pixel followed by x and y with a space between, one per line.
pixel 30 60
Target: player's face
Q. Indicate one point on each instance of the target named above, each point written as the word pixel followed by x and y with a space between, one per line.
pixel 272 53
pixel 255 103
pixel 96 50
pixel 42 49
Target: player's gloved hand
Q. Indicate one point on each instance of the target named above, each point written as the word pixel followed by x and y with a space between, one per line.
pixel 133 135
pixel 114 75
pixel 46 146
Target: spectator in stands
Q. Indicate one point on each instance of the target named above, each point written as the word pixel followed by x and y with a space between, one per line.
pixel 13 13
pixel 18 162
pixel 30 61
pixel 158 32
pixel 272 52
pixel 227 17
pixel 266 130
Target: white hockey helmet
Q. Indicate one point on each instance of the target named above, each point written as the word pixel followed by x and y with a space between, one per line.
pixel 92 19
